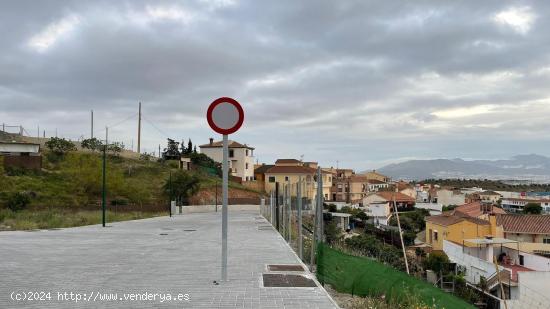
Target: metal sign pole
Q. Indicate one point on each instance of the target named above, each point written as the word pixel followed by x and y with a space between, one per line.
pixel 225 172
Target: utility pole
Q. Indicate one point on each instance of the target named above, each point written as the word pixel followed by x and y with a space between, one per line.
pixel 92 124
pixel 400 232
pixel 139 129
pixel 38 132
pixel 159 151
pixel 170 203
pixel 104 190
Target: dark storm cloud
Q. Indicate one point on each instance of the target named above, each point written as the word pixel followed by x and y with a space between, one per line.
pixel 358 75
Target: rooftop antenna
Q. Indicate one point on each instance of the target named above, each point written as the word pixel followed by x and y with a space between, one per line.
pixel 302 158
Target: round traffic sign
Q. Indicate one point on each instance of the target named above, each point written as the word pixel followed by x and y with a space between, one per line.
pixel 225 115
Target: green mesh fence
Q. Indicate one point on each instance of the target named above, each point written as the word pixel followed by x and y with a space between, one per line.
pixel 365 277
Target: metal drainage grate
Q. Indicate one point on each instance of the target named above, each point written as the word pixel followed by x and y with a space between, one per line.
pixel 265 227
pixel 163 234
pixel 287 281
pixel 189 230
pixel 277 267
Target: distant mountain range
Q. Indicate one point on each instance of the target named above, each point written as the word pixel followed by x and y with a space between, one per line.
pixel 532 168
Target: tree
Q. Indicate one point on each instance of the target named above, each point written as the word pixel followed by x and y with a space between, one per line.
pixel 115 148
pixel 202 160
pixel 332 232
pixel 189 146
pixel 92 143
pixel 60 146
pixel 182 186
pixel 532 208
pixel 195 149
pixel 171 152
pixel 436 261
pixel 183 150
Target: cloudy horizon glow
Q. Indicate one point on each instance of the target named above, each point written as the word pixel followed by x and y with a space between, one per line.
pixel 364 83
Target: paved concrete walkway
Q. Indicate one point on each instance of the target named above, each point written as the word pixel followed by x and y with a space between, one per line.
pixel 136 261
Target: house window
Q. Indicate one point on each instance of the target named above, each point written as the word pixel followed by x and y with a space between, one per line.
pixel 247 152
pixel 271 178
pixel 231 153
pixel 546 240
pixel 431 240
pixel 246 166
pixel 286 178
pixel 435 235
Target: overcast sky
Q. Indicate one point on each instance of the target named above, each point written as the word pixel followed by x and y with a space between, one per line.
pixel 362 82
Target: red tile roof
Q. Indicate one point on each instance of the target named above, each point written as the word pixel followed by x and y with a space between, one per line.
pixel 474 209
pixel 399 197
pixel 528 224
pixel 283 161
pixel 291 170
pixel 447 219
pixel 230 143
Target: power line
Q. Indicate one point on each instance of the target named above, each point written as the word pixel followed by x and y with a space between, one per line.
pixel 155 127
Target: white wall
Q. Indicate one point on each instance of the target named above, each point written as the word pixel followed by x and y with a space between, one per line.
pixel 434 208
pixel 447 197
pixel 237 162
pixel 532 291
pixel 475 267
pixel 28 148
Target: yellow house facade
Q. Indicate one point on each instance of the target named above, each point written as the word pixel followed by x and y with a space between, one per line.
pixel 454 228
pixel 288 172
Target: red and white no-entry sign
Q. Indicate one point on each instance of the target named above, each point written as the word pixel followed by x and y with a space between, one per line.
pixel 225 115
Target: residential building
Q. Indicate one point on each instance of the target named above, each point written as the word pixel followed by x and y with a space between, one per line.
pixel 516 205
pixel 447 196
pixel 381 205
pixel 454 227
pixel 349 189
pixel 241 157
pixel 374 185
pixel 524 228
pixel 490 197
pixel 525 277
pixel 406 189
pixel 21 155
pixel 289 171
pixel 477 210
pixel 377 176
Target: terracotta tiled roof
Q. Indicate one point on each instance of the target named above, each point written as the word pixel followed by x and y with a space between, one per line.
pixel 474 209
pixel 262 169
pixel 450 219
pixel 399 197
pixel 283 161
pixel 444 220
pixel 530 224
pixel 230 143
pixel 291 170
pixel 357 178
pixel 403 185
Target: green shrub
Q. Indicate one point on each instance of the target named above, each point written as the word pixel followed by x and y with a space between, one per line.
pixel 18 201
